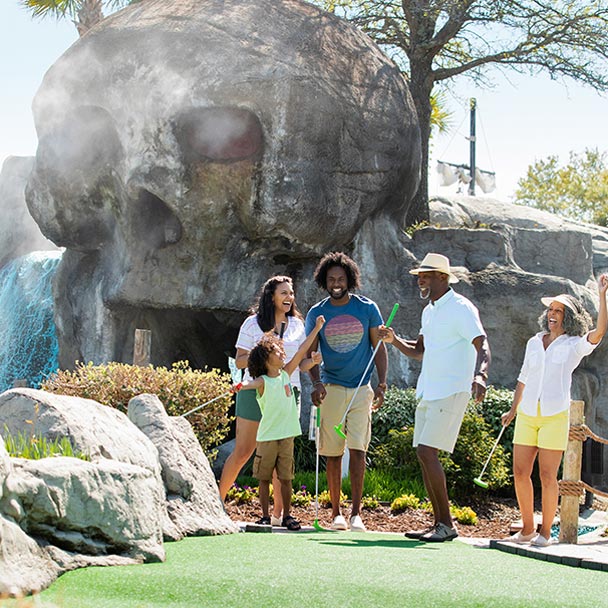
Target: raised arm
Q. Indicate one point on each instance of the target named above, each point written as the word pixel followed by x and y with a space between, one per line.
pixel 595 335
pixel 305 347
pixel 410 348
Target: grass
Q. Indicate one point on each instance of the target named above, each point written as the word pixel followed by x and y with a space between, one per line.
pixel 326 569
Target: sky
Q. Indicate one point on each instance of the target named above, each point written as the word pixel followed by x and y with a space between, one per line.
pixel 521 120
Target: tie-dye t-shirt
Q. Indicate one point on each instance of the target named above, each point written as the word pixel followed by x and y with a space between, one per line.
pixel 344 340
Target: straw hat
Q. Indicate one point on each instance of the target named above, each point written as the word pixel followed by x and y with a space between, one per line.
pixel 435 262
pixel 565 299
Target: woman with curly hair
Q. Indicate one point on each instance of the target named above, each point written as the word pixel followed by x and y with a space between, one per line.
pixel 542 404
pixel 275 305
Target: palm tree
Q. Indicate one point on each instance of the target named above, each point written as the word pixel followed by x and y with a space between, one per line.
pixel 83 13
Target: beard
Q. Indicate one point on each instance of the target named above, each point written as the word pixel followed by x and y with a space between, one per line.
pixel 337 296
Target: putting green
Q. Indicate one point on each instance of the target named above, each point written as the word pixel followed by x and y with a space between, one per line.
pixel 327 569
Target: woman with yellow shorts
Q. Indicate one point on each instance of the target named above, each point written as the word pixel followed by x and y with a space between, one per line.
pixel 542 404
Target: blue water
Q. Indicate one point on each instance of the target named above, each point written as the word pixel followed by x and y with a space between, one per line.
pixel 28 341
pixel 581 530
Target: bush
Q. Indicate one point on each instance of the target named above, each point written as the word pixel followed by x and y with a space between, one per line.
pixel 370 503
pixel 241 495
pixel 405 502
pixel 301 498
pixel 180 389
pixel 396 412
pixel 496 402
pixel 464 515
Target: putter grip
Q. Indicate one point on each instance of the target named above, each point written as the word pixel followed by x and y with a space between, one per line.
pixel 282 330
pixel 392 315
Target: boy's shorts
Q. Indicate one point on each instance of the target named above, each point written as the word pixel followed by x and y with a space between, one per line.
pixel 546 432
pixel 274 454
pixel 357 426
pixel 437 422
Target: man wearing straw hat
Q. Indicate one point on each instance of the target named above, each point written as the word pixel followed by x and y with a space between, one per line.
pixel 455 358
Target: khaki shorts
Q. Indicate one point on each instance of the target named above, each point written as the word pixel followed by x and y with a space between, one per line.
pixel 546 432
pixel 358 424
pixel 274 454
pixel 437 422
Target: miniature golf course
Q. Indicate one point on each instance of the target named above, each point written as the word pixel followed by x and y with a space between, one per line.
pixel 314 569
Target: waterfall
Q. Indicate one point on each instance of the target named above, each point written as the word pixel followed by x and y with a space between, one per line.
pixel 28 341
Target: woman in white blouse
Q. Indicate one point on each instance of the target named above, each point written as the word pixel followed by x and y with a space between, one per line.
pixel 542 404
pixel 275 305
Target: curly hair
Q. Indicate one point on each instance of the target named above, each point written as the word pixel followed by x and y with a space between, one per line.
pixel 257 362
pixel 263 309
pixel 337 258
pixel 575 323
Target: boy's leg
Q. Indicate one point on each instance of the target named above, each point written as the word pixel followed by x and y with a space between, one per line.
pixel 264 495
pixel 285 471
pixel 286 490
pixel 263 465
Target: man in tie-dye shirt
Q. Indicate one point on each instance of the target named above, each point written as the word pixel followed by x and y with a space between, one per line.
pixel 346 342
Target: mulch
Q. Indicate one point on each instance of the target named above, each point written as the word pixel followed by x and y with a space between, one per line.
pixel 495 517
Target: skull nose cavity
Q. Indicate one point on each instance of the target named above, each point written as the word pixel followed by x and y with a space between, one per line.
pixel 154 223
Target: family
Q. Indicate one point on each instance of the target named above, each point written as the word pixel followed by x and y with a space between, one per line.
pixel 335 343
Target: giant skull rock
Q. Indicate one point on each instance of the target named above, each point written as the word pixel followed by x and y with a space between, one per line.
pixel 190 149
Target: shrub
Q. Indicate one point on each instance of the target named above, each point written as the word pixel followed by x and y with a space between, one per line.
pixel 370 503
pixel 325 500
pixel 396 412
pixel 34 447
pixel 301 498
pixel 496 402
pixel 241 495
pixel 402 503
pixel 464 515
pixel 180 389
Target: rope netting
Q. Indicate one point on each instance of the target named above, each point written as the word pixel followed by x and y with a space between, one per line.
pixel 28 341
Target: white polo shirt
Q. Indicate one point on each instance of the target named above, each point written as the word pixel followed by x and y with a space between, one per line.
pixel 449 327
pixel 547 374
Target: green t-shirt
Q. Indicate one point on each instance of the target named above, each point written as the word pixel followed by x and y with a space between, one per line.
pixel 280 416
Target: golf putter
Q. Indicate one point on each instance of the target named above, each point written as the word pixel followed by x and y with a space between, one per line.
pixel 338 427
pixel 478 480
pixel 230 392
pixel 316 525
pixel 282 330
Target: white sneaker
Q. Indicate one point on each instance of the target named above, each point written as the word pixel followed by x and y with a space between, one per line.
pixel 521 539
pixel 541 541
pixel 356 524
pixel 276 521
pixel 339 523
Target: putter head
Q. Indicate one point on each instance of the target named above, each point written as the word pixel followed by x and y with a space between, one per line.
pixel 338 429
pixel 317 526
pixel 481 483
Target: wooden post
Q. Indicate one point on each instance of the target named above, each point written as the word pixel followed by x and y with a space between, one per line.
pixel 141 347
pixel 573 459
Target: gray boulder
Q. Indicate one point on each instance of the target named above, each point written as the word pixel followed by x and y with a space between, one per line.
pixel 193 501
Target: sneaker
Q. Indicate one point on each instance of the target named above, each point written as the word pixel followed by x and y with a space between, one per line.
pixel 541 541
pixel 276 521
pixel 520 539
pixel 439 534
pixel 339 523
pixel 356 524
pixel 417 534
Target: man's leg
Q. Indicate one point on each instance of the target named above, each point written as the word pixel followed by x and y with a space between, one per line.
pixel 334 482
pixel 357 474
pixel 435 478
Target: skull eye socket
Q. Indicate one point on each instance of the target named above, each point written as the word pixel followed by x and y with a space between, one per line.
pixel 86 138
pixel 219 134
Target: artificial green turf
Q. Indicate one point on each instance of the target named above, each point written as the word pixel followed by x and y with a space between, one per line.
pixel 328 569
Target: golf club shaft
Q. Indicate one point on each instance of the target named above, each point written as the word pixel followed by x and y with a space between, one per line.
pixel 282 330
pixel 485 466
pixel 207 403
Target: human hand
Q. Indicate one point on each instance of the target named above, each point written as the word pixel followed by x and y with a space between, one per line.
pixel 478 389
pixel 602 284
pixel 318 394
pixel 507 417
pixel 320 322
pixel 316 357
pixel 386 334
pixel 236 387
pixel 378 398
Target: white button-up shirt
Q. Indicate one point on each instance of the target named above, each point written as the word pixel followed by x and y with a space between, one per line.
pixel 449 326
pixel 547 374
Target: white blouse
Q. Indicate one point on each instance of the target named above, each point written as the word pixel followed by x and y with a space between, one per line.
pixel 251 333
pixel 547 374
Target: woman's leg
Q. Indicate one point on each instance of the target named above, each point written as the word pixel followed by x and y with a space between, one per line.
pixel 548 465
pixel 246 431
pixel 523 462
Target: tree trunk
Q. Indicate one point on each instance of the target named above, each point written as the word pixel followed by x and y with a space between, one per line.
pixel 89 15
pixel 421 86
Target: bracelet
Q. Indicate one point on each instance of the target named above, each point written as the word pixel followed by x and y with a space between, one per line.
pixel 382 385
pixel 317 382
pixel 482 374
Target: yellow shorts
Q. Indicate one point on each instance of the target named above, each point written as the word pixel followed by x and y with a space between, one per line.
pixel 546 432
pixel 358 424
